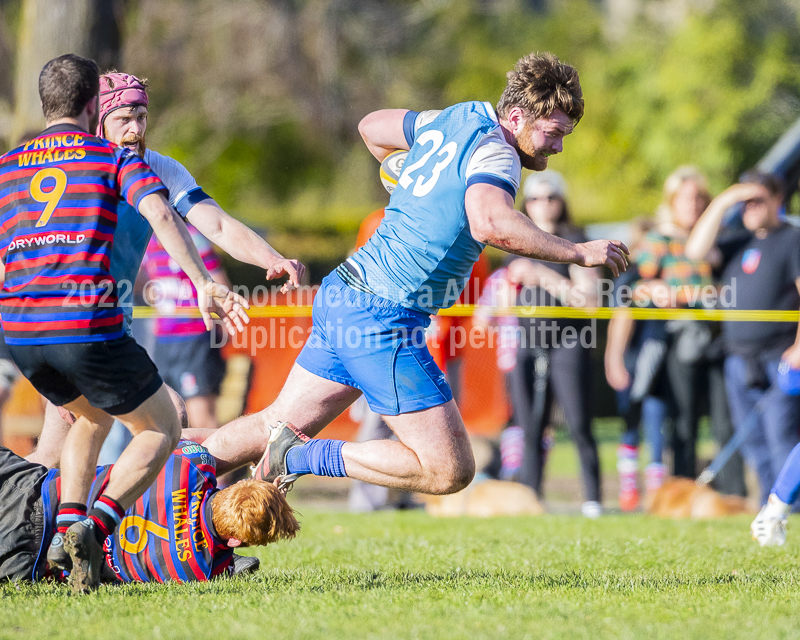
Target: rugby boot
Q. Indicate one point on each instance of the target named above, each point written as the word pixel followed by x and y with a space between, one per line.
pixel 87 556
pixel 243 565
pixel 57 557
pixel 282 438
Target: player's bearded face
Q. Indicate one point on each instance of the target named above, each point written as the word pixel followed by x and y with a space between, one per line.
pixel 540 138
pixel 126 127
pixel 531 157
pixel 135 143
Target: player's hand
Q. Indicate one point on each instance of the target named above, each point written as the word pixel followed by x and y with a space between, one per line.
pixel 293 268
pixel 604 253
pixel 213 297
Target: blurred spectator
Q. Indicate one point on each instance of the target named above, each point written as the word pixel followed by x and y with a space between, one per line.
pixel 545 368
pixel 664 266
pixel 188 358
pixel 761 265
pixel 499 294
pixel 634 362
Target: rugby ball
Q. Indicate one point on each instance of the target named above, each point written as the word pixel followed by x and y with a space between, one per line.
pixel 391 168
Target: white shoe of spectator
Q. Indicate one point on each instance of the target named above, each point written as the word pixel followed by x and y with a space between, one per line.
pixel 591 509
pixel 769 527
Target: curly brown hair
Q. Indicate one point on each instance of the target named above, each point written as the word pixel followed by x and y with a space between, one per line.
pixel 253 512
pixel 539 84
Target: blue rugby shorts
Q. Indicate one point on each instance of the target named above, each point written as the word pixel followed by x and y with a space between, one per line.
pixel 375 345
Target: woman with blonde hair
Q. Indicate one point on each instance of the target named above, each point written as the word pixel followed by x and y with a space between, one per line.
pixel 689 367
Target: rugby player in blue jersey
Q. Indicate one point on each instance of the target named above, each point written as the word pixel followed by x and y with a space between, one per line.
pixel 123 121
pixel 455 195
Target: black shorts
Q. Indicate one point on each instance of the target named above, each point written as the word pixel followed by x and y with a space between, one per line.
pixel 8 370
pixel 21 515
pixel 113 375
pixel 192 367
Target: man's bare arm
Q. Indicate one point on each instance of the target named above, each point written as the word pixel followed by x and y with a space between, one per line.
pixel 494 221
pixel 383 133
pixel 620 331
pixel 173 235
pixel 242 243
pixel 704 233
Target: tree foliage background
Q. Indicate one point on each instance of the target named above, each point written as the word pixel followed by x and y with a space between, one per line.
pixel 260 99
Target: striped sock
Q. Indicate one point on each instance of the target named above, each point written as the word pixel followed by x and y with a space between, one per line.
pixel 107 514
pixel 68 514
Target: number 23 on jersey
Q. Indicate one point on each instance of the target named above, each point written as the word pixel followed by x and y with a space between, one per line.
pixel 424 182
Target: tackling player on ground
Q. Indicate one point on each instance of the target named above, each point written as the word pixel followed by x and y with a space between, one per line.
pixel 181 529
pixel 455 195
pixel 62 323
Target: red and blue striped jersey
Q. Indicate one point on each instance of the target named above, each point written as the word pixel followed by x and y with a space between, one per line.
pixel 174 289
pixel 58 214
pixel 168 535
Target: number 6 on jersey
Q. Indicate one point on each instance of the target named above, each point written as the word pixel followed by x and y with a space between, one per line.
pixel 52 196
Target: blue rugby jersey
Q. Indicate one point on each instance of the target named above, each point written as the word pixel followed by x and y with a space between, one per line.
pixel 58 215
pixel 423 252
pixel 134 232
pixel 168 535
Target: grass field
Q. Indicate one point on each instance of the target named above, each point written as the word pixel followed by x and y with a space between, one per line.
pixel 406 575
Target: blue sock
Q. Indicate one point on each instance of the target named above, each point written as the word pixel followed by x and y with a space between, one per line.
pixel 320 457
pixel 787 486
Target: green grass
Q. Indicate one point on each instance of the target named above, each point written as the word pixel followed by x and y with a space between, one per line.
pixel 405 575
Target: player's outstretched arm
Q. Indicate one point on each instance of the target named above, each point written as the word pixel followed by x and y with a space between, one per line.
pixel 242 243
pixel 211 296
pixel 494 221
pixel 383 133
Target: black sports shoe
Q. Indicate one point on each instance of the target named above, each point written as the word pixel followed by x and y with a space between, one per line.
pixel 243 565
pixel 57 557
pixel 87 556
pixel 282 438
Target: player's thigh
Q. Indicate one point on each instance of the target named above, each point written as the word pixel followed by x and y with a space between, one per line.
pixel 81 407
pixel 311 402
pixel 437 436
pixel 156 413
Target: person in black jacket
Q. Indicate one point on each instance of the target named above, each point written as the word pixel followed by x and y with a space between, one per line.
pixel 554 355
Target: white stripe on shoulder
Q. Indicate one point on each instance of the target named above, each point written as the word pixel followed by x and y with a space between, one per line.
pixel 425 117
pixel 495 157
pixel 490 111
pixel 172 173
